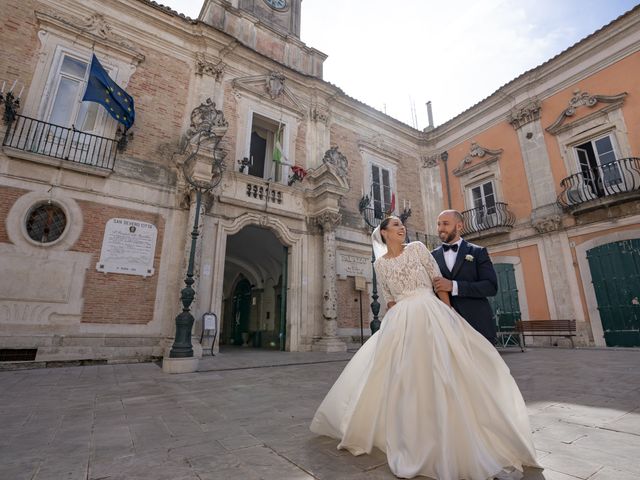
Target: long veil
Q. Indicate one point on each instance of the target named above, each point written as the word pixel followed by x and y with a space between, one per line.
pixel 379 247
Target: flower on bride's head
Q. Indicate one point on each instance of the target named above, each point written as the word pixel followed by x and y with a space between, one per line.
pixel 469 258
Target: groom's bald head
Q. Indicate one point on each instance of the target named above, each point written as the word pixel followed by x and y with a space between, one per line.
pixel 454 215
pixel 450 223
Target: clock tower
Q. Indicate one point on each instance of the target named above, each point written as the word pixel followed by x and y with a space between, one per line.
pixel 281 14
pixel 270 27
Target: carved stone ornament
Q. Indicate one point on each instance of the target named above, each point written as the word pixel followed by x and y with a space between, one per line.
pixel 520 116
pixel 328 220
pixel 581 99
pixel 378 140
pixel 430 161
pixel 275 84
pixel 94 26
pixel 207 120
pixel 319 113
pixel 204 67
pixel 476 151
pixel 547 224
pixel 334 157
pixel 271 87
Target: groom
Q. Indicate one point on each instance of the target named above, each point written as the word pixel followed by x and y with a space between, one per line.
pixel 468 274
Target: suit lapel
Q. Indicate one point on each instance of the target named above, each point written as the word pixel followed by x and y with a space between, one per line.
pixel 462 252
pixel 438 254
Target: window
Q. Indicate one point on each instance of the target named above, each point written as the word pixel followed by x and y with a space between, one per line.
pixel 483 212
pixel 46 223
pixel 71 131
pixel 597 163
pixel 483 198
pixel 261 148
pixel 381 190
pixel 68 84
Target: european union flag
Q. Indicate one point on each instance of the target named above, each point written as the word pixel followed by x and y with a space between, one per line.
pixel 101 89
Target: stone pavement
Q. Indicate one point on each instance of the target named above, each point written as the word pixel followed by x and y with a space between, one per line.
pixel 245 415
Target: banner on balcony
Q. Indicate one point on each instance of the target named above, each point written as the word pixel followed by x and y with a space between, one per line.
pixel 103 90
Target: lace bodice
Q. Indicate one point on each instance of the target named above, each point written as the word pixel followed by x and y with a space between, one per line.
pixel 412 269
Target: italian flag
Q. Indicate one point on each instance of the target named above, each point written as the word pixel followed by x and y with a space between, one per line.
pixel 277 146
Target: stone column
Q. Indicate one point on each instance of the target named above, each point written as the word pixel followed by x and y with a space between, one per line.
pixel 329 342
pixel 526 122
pixel 546 217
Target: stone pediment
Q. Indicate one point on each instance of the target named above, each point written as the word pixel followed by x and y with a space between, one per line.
pixel 584 99
pixel 476 151
pixel 94 28
pixel 273 88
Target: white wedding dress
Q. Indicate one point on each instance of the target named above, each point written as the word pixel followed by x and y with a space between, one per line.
pixel 427 389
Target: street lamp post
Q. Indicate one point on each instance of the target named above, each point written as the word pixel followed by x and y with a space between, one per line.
pixel 182 347
pixel 184 321
pixel 372 220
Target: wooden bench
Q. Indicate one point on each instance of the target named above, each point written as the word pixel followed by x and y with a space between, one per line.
pixel 546 328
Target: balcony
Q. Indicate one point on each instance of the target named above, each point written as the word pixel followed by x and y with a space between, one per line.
pixel 484 222
pixel 606 185
pixel 247 191
pixel 64 147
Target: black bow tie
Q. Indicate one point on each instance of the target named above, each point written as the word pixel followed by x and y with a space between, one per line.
pixel 446 247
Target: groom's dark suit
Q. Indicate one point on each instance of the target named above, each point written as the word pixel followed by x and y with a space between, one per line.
pixel 476 281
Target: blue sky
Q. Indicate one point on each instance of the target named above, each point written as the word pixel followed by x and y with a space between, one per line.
pixel 392 54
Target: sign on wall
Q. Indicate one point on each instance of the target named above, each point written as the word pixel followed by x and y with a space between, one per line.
pixel 353 265
pixel 128 247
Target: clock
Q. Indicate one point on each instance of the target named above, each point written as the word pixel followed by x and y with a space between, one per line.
pixel 277 4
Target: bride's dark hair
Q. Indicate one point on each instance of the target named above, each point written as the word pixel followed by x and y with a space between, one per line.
pixel 384 224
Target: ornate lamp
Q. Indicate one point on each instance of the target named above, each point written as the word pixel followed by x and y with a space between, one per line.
pixel 207 128
pixel 11 103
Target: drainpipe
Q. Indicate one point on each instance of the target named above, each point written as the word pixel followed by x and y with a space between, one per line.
pixel 444 156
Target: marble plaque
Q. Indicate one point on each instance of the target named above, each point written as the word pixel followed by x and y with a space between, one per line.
pixel 128 247
pixel 353 265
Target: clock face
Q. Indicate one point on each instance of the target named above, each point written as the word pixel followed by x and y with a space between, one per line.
pixel 277 4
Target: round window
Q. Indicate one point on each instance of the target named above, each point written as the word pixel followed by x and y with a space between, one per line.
pixel 45 223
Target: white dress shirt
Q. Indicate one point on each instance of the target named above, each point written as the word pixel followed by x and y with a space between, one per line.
pixel 450 261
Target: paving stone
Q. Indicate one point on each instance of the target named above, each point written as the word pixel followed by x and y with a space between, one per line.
pixel 610 473
pixel 570 465
pixel 246 414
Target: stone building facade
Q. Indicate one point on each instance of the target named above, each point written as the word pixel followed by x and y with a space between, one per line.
pixel 96 222
pixel 547 172
pixel 95 236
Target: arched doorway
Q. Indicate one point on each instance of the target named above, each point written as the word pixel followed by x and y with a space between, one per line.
pixel 254 290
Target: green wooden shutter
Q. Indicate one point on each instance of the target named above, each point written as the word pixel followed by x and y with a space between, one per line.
pixel 615 273
pixel 505 305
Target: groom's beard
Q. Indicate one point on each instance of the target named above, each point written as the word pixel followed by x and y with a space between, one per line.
pixel 448 238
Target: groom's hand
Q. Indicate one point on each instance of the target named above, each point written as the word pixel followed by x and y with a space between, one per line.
pixel 441 284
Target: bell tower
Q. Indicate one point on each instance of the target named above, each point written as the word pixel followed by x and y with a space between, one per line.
pixel 281 14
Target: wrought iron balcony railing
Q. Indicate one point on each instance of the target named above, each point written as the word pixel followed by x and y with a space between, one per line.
pixel 603 182
pixel 42 138
pixel 483 219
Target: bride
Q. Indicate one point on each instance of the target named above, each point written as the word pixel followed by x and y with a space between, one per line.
pixel 426 389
